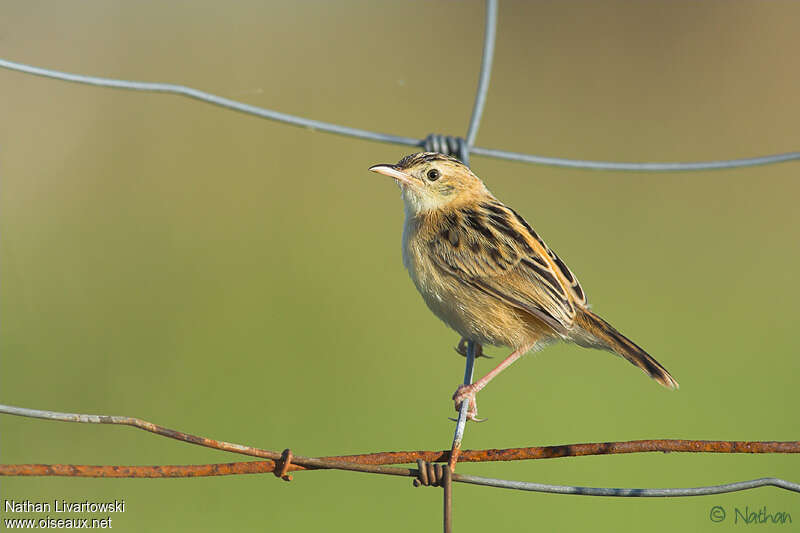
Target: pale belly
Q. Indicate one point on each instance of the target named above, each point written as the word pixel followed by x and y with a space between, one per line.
pixel 472 313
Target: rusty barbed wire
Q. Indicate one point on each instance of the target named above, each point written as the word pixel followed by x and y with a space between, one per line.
pixel 378 463
pixel 262 467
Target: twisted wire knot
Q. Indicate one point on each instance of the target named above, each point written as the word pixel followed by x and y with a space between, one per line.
pixel 282 465
pixel 447 145
pixel 432 474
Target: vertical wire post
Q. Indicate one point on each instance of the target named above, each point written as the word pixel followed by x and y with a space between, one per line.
pixel 447 486
pixel 486 71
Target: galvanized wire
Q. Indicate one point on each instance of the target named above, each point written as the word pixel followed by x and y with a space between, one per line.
pixel 637 167
pixel 461 421
pixel 386 137
pixel 640 493
pixel 211 99
pixel 486 71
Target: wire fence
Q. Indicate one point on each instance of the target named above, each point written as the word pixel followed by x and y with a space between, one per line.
pixel 377 463
pixel 468 142
pixel 426 474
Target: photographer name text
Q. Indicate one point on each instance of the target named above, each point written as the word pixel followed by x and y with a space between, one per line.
pixel 63 506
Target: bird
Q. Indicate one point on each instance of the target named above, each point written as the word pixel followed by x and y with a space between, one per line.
pixel 486 273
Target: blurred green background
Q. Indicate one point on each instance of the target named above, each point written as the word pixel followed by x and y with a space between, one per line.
pixel 241 279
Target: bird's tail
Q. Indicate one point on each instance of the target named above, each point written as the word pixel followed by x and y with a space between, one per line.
pixel 601 334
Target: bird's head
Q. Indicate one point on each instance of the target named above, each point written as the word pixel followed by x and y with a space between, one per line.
pixel 431 181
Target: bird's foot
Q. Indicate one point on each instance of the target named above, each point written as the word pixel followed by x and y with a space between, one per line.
pixel 466 393
pixel 462 349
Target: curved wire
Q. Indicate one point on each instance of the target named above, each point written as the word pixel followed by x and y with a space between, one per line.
pixel 486 71
pixel 211 99
pixel 385 137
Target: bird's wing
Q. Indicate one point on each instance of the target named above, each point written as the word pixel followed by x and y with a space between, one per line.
pixel 491 248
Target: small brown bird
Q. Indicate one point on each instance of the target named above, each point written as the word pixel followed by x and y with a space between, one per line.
pixel 487 274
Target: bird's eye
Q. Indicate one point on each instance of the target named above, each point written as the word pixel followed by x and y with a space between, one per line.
pixel 433 174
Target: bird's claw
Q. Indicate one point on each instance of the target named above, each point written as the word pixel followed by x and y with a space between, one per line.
pixel 461 349
pixel 467 393
pixel 479 420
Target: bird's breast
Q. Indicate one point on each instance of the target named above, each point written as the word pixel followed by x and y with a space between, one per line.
pixel 472 313
pixel 413 260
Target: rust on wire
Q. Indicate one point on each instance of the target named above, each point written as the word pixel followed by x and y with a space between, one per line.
pixel 577 450
pixel 170 471
pixel 160 471
pixel 187 437
pixel 363 462
pixel 633 446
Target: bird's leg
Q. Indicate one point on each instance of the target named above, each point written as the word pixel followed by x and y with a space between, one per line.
pixel 468 392
pixel 462 349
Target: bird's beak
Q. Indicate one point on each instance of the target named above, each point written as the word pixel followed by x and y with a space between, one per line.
pixel 393 172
